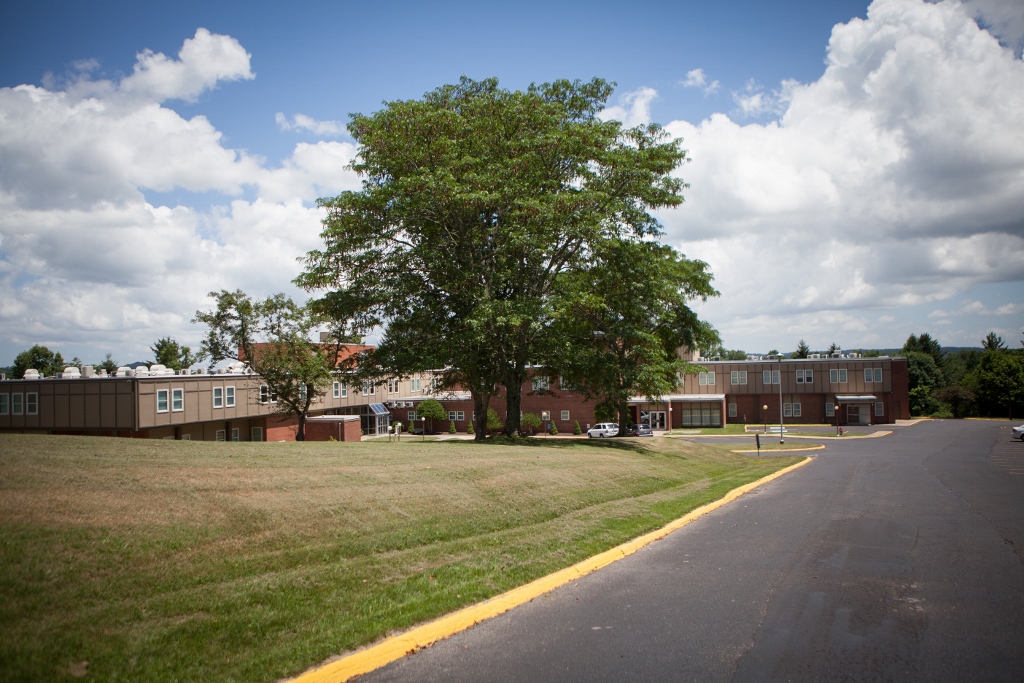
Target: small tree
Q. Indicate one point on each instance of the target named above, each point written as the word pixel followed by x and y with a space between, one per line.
pixel 493 421
pixel 167 352
pixel 40 358
pixel 530 420
pixel 451 427
pixel 576 428
pixel 108 364
pixel 993 342
pixel 469 428
pixel 553 430
pixel 432 410
pixel 272 337
pixel 802 350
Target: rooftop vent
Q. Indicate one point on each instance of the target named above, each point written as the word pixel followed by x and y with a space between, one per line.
pixel 31 373
pixel 71 373
pixel 142 371
pixel 88 371
pixel 124 371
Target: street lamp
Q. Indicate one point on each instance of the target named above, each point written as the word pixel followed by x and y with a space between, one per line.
pixel 837 419
pixel 764 409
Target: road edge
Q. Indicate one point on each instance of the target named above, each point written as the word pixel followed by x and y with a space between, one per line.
pixel 423 636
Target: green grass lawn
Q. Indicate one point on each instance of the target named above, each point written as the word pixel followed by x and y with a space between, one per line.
pixel 186 561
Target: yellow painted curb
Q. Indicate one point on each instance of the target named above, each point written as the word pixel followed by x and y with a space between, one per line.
pixel 785 450
pixel 396 647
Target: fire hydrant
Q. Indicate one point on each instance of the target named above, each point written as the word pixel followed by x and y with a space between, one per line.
pixel 840 431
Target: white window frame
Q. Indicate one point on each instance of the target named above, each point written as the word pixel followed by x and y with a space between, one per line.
pixel 234 434
pixel 766 377
pixel 177 400
pixel 565 416
pixel 303 392
pixel 743 377
pixel 218 397
pixel 799 376
pixel 257 434
pixel 165 395
pixel 837 376
pixel 787 410
pixel 415 384
pixel 540 383
pixel 796 409
pixel 337 390
pixel 457 415
pixel 17 404
pixel 344 389
pixel 830 410
pixel 878 374
pixel 879 409
pixel 369 389
pixel 5 404
pixel 220 435
pixel 394 386
pixel 229 397
pixel 32 403
pixel 266 395
pixel 842 375
pixel 545 416
pixel 808 376
pixel 732 410
pixel 411 415
pixel 869 375
pixel 711 378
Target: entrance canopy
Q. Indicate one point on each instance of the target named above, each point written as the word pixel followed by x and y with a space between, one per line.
pixel 856 398
pixel 680 398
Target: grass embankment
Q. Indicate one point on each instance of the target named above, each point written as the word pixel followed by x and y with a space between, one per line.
pixel 164 560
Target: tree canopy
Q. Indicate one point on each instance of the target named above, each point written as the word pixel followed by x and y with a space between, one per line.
pixel 167 352
pixel 476 201
pixel 39 357
pixel 273 337
pixel 802 350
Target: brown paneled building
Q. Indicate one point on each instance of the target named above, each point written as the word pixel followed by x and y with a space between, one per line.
pixel 235 406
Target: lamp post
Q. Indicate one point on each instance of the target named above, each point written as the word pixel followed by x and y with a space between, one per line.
pixel 670 418
pixel 837 419
pixel 764 409
pixel 781 426
pixel 423 428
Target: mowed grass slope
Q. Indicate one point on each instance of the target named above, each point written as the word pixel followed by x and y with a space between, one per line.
pixel 175 560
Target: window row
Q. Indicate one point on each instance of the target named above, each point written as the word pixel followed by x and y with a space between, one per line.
pixel 221 434
pixel 176 404
pixel 223 397
pixel 19 404
pixel 830 409
pixel 738 377
pixel 872 375
pixel 791 410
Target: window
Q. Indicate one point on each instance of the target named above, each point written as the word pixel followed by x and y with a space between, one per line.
pixel 706 379
pixel 539 383
pixel 411 415
pixel 770 376
pixel 804 376
pixel 369 389
pixel 732 410
pixel 219 436
pixel 566 384
pixel 218 397
pixel 738 377
pixel 177 400
pixel 161 401
pixel 302 392
pixel 257 433
pixel 414 385
pixel 869 376
pixel 879 408
pixel 337 390
pixel 229 397
pixel 565 416
pixel 457 415
pixel 787 410
pixel 837 376
pixel 830 410
pixel 796 410
pixel 17 408
pixel 545 416
pixel 32 403
pixel 266 396
pixel 5 404
pixel 393 386
pixel 878 374
pixel 344 389
pixel 234 434
pixel 186 437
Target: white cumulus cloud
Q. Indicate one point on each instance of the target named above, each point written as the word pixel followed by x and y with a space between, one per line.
pixel 633 109
pixel 301 122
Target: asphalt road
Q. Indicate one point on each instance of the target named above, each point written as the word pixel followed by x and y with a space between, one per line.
pixel 892 559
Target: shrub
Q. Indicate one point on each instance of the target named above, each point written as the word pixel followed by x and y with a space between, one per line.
pixel 530 420
pixel 493 421
pixel 576 428
pixel 553 431
pixel 451 427
pixel 469 429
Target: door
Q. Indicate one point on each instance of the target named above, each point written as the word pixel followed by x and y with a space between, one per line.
pixel 657 419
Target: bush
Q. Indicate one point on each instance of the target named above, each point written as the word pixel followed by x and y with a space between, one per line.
pixel 576 428
pixel 529 420
pixel 469 429
pixel 553 431
pixel 451 427
pixel 493 421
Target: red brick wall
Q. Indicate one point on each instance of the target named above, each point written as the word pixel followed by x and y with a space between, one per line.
pixel 340 430
pixel 900 408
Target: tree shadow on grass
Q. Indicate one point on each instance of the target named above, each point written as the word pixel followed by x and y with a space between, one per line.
pixel 542 442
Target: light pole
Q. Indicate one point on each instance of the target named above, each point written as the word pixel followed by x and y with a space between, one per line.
pixel 781 429
pixel 837 419
pixel 764 409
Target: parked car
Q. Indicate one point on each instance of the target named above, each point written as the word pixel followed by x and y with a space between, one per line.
pixel 603 429
pixel 1018 433
pixel 640 430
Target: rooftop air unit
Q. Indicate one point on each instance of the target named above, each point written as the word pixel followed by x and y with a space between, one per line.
pixel 142 371
pixel 88 371
pixel 71 373
pixel 31 373
pixel 124 371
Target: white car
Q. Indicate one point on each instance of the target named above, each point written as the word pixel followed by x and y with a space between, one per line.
pixel 603 429
pixel 1018 433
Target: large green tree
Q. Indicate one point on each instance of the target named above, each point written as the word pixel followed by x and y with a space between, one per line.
pixel 475 201
pixel 998 383
pixel 802 350
pixel 39 357
pixel 925 344
pixel 272 336
pixel 622 321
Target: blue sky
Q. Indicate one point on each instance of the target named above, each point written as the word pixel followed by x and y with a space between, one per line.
pixel 829 202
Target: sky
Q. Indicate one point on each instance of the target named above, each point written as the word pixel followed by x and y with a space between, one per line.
pixel 856 170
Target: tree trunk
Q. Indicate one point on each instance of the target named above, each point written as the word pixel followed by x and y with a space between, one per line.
pixel 481 402
pixel 514 401
pixel 301 434
pixel 624 417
